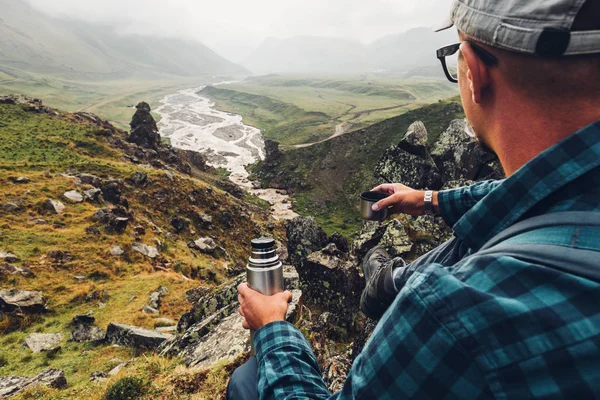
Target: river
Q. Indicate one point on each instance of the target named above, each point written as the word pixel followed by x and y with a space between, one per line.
pixel 191 122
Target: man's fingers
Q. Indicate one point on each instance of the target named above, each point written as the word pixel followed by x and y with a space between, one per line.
pixel 243 288
pixel 240 311
pixel 287 296
pixel 381 204
pixel 245 325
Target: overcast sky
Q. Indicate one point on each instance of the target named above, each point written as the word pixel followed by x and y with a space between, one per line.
pixel 234 27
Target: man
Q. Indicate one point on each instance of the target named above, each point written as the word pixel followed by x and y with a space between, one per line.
pixel 468 320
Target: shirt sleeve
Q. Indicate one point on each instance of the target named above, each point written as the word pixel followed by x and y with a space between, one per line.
pixel 409 355
pixel 454 203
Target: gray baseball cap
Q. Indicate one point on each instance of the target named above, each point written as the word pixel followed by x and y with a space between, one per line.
pixel 542 27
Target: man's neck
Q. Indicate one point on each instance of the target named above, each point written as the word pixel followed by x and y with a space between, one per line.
pixel 523 132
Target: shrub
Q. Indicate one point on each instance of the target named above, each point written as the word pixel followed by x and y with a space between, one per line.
pixel 128 388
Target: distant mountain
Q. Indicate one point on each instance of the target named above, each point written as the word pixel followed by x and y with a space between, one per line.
pixel 413 48
pixel 34 42
pixel 308 54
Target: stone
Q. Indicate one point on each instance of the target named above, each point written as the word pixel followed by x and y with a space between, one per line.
pixel 12 385
pixel 304 237
pixel 74 196
pixel 20 180
pixel 415 139
pixel 133 336
pixel 8 257
pixel 164 322
pixel 139 230
pixel 208 246
pixel 98 295
pixel 144 131
pixel 84 332
pixel 148 251
pixel 98 376
pixel 38 222
pixel 415 171
pixel 10 207
pixel 54 206
pixel 83 319
pixel 111 191
pixel 155 297
pixel 9 269
pixel 138 178
pixel 167 329
pixel 93 195
pixel 180 224
pixel 60 257
pixel 150 310
pixel 15 301
pixel 43 341
pixel 395 240
pixel 118 225
pixel 90 179
pixel 340 242
pixel 116 251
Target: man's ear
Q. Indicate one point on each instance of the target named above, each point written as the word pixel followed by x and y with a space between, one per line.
pixel 477 72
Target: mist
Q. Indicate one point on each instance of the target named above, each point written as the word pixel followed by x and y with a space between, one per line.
pixel 234 28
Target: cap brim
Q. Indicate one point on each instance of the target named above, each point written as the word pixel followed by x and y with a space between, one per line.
pixel 447 24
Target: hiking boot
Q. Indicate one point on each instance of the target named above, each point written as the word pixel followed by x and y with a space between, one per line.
pixel 379 291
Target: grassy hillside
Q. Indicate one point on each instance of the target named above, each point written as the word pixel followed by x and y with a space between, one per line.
pixel 43 147
pixel 327 178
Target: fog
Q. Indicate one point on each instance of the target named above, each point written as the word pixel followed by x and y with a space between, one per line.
pixel 234 27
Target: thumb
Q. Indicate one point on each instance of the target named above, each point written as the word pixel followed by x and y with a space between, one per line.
pixel 381 204
pixel 287 296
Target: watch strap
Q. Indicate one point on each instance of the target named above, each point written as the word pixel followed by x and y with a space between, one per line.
pixel 428 203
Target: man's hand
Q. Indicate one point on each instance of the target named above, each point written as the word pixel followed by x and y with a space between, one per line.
pixel 259 310
pixel 404 199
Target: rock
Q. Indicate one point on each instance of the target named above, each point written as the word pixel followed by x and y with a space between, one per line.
pixel 395 240
pixel 118 225
pixel 180 224
pixel 93 195
pixel 116 219
pixel 415 171
pixel 98 376
pixel 116 251
pixel 60 257
pixel 139 230
pixel 150 310
pixel 155 297
pixel 12 385
pixel 340 242
pixel 460 156
pixel 111 191
pixel 83 319
pixel 15 301
pixel 333 283
pixel 133 336
pixel 20 180
pixel 74 196
pixel 38 222
pixel 272 153
pixel 415 139
pixel 54 206
pixel 87 333
pixel 148 251
pixel 291 279
pixel 98 295
pixel 164 322
pixel 10 207
pixel 304 237
pixel 138 178
pixel 167 329
pixel 144 131
pixel 9 269
pixel 208 246
pixel 90 179
pixel 205 220
pixel 43 341
pixel 8 257
pixel 194 295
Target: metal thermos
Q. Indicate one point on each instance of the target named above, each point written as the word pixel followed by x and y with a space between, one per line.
pixel 264 270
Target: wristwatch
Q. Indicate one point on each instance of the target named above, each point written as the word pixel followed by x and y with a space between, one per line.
pixel 428 205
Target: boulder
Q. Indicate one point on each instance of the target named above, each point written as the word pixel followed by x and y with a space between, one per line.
pixel 416 171
pixel 150 310
pixel 37 342
pixel 22 302
pixel 38 222
pixel 208 246
pixel 60 257
pixel 83 319
pixel 180 224
pixel 10 207
pixel 93 195
pixel 9 269
pixel 156 296
pixel 116 251
pixel 138 178
pixel 111 191
pixel 98 295
pixel 134 336
pixel 84 332
pixel 20 180
pixel 116 219
pixel 90 179
pixel 304 237
pixel 54 206
pixel 12 385
pixel 98 376
pixel 73 196
pixel 148 251
pixel 8 257
pixel 415 139
pixel 144 131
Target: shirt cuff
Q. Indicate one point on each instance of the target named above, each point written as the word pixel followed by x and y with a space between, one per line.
pixel 447 206
pixel 276 335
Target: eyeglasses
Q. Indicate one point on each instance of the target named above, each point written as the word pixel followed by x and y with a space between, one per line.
pixel 448 56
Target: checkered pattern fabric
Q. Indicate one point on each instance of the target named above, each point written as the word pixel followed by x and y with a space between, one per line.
pixel 486 327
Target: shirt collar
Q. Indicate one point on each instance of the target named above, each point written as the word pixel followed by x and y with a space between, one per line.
pixel 548 172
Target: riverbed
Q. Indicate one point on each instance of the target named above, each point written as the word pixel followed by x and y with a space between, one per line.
pixel 191 122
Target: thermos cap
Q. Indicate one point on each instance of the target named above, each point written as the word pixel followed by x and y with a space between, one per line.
pixel 263 243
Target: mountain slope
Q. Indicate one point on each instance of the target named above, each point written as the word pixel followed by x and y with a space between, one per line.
pixel 34 42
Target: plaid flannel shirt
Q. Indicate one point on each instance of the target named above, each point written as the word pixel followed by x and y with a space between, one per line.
pixel 486 327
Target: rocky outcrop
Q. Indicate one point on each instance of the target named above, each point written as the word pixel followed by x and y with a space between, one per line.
pixel 456 156
pixel 115 219
pixel 144 131
pixel 133 336
pixel 304 236
pixel 208 246
pixel 12 385
pixel 84 329
pixel 272 153
pixel 155 300
pixel 15 301
pixel 54 206
pixel 37 342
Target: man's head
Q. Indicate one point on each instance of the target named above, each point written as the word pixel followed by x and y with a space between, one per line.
pixel 548 57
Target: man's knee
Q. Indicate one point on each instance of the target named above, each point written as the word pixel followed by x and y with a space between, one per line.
pixel 244 382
